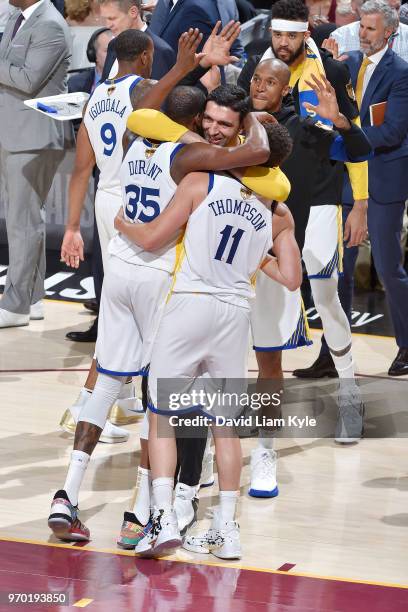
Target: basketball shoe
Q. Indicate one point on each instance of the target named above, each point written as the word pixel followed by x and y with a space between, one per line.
pixel 222 539
pixel 350 417
pixel 128 408
pixel 263 473
pixel 110 433
pixel 185 506
pixel 64 521
pixel 132 532
pixel 164 536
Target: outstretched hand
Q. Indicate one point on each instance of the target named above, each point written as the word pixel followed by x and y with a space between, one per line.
pixel 327 102
pixel 332 46
pixel 187 58
pixel 218 45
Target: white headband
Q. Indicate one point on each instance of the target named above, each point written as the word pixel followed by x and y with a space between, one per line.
pixel 284 25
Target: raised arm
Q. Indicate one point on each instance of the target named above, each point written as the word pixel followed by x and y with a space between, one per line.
pixel 72 248
pixel 215 53
pixel 285 267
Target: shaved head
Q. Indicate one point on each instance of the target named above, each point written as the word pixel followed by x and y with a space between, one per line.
pixel 276 68
pixel 269 85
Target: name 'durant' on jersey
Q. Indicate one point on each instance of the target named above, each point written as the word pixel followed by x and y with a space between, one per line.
pixel 241 208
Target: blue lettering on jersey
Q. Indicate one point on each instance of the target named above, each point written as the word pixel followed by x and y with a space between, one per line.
pixel 109 105
pixel 241 208
pixel 141 166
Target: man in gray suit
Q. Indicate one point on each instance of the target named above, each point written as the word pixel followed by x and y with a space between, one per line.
pixel 34 57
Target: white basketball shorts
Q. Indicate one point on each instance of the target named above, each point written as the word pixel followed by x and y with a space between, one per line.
pixel 132 297
pixel 199 336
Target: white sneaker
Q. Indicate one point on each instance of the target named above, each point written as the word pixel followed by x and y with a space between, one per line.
pixel 37 311
pixel 164 536
pixel 222 540
pixel 185 506
pixel 263 473
pixel 128 407
pixel 207 470
pixel 13 319
pixel 350 417
pixel 110 433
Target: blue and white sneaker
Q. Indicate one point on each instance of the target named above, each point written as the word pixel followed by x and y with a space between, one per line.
pixel 263 473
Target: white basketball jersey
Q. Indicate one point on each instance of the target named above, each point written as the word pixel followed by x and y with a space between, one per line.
pixel 105 120
pixel 227 237
pixel 147 188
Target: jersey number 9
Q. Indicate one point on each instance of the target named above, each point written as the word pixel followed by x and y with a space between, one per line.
pixel 109 139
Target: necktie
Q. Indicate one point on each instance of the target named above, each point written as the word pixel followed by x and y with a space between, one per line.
pixel 360 80
pixel 18 23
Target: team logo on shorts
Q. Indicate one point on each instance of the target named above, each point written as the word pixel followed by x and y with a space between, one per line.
pixel 350 91
pixel 245 193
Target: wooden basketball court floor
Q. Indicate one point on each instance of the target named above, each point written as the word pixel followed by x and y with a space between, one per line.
pixel 334 539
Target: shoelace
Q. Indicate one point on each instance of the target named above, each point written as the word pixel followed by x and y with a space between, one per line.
pixel 266 464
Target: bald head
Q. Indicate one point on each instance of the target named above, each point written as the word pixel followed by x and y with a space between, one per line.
pixel 269 85
pixel 276 68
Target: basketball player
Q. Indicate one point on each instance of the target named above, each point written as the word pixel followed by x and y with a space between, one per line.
pixel 100 142
pixel 135 285
pixel 205 323
pixel 313 146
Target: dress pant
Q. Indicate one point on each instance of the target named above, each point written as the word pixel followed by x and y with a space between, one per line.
pixel 384 229
pixel 27 177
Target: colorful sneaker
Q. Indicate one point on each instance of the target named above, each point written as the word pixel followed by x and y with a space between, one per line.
pixel 350 418
pixel 164 536
pixel 64 521
pixel 222 540
pixel 207 470
pixel 185 506
pixel 132 531
pixel 263 473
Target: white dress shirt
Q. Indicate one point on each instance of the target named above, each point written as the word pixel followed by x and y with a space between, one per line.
pixel 28 12
pixel 348 39
pixel 375 60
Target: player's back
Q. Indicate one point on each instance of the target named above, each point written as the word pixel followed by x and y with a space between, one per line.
pixel 147 188
pixel 226 239
pixel 105 120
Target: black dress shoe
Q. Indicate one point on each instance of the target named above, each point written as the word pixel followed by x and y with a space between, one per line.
pixel 399 366
pixel 92 305
pixel 86 336
pixel 323 366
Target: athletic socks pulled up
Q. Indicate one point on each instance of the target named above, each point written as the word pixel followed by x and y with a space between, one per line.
pixel 76 471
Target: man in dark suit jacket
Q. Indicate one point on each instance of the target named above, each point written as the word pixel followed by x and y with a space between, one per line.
pixel 385 79
pixel 119 16
pixel 173 17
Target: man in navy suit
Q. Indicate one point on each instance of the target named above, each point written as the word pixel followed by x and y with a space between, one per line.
pixel 379 75
pixel 173 17
pixel 123 15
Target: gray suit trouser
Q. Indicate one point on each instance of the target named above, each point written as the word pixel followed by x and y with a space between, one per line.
pixel 27 177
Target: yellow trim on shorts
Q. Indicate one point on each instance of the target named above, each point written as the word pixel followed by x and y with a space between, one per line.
pixel 180 254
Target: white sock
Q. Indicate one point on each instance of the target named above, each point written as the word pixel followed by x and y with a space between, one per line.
pixel 265 439
pixel 140 505
pixel 228 505
pixel 344 365
pixel 162 491
pixel 76 471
